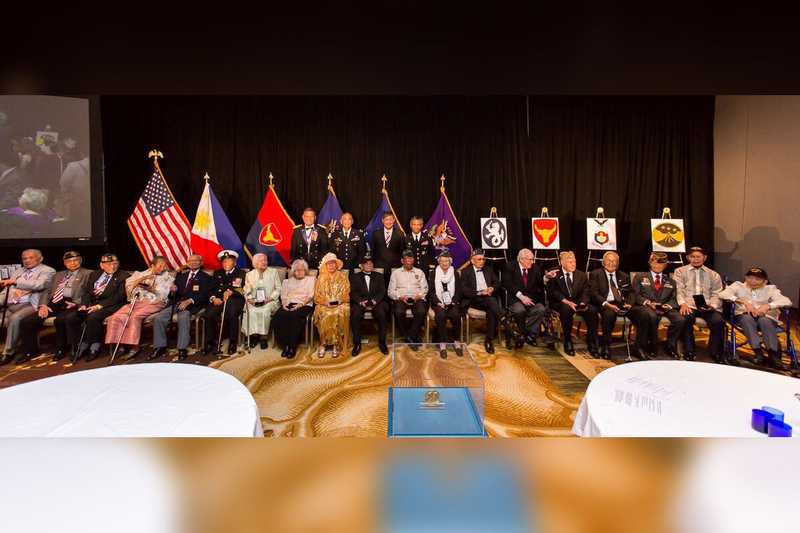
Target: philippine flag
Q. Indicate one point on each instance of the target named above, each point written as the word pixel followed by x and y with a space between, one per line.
pixel 212 231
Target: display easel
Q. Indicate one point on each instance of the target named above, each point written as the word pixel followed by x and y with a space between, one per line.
pixel 544 214
pixel 599 214
pixel 503 256
pixel 666 214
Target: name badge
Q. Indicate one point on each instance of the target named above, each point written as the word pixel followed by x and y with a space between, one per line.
pixel 446 298
pixel 237 282
pixel 261 295
pixel 196 288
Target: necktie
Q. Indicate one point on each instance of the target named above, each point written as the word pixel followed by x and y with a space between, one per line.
pixel 525 277
pixel 569 283
pixel 388 237
pixel 100 284
pixel 614 289
pixel 697 285
pixel 657 284
pixel 189 279
pixel 59 294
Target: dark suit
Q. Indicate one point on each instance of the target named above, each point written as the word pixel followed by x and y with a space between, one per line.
pixel 423 251
pixel 529 318
pixel 309 248
pixel 30 326
pixel 198 289
pixel 350 249
pixel 451 312
pixel 376 296
pixel 577 292
pixel 646 319
pixel 110 299
pixel 387 257
pixel 221 282
pixel 471 298
pixel 598 283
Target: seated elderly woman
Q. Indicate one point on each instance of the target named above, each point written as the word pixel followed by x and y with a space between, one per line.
pixel 332 313
pixel 758 305
pixel 262 289
pixel 444 295
pixel 148 292
pixel 297 297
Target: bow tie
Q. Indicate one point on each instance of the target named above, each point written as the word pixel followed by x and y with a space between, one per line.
pixel 478 270
pixel 367 274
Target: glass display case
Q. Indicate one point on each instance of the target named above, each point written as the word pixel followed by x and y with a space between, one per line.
pixel 432 396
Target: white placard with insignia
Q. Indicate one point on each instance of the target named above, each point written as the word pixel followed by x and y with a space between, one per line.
pixel 494 233
pixel 601 233
pixel 546 234
pixel 667 235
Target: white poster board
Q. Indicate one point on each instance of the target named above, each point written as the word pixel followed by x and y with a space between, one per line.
pixel 667 235
pixel 494 233
pixel 601 233
pixel 546 233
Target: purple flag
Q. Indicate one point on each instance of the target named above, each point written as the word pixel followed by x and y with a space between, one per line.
pixel 446 232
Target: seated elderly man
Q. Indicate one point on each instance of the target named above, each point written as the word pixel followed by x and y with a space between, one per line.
pixel 569 294
pixel 21 296
pixel 758 305
pixel 524 285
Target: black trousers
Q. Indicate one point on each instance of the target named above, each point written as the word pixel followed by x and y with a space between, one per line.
pixel 95 330
pixel 646 321
pixel 493 311
pixel 418 310
pixel 290 325
pixel 441 316
pixel 608 319
pixel 717 336
pixel 31 325
pixel 380 313
pixel 567 316
pixel 230 321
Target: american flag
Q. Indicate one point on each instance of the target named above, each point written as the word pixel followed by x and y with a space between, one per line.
pixel 158 224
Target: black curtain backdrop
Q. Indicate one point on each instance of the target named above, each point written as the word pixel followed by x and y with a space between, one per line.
pixel 632 155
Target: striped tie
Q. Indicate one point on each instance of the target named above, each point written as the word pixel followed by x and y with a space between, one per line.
pixel 100 284
pixel 59 294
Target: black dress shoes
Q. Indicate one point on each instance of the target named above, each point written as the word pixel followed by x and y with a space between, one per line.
pixel 253 341
pixel 443 353
pixel 569 349
pixel 383 348
pixel 24 358
pixel 285 351
pixel 519 343
pixel 92 355
pixel 263 343
pixel 603 351
pixel 356 348
pixel 489 346
pixel 531 339
pixel 459 350
pixel 733 361
pixel 593 351
pixel 689 356
pixel 673 353
pixel 183 354
pixel 211 349
pixel 59 354
pixel 232 348
pixel 80 352
pixel 292 352
pixel 158 352
pixel 759 358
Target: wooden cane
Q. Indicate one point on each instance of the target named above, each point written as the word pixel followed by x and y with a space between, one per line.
pixel 124 326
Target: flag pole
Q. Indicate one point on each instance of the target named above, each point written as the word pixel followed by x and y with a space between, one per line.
pixel 270 180
pixel 330 183
pixel 442 186
pixel 207 178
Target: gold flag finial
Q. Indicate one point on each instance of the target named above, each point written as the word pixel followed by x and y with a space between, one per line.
pixel 601 213
pixel 330 181
pixel 384 179
pixel 206 177
pixel 493 212
pixel 270 179
pixel 442 186
pixel 666 213
pixel 545 212
pixel 156 154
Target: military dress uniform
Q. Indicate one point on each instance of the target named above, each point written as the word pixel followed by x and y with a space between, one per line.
pixel 223 280
pixel 309 243
pixel 421 245
pixel 349 246
pixel 657 288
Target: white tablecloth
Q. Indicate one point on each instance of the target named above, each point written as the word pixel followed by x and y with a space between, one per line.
pixel 682 399
pixel 144 400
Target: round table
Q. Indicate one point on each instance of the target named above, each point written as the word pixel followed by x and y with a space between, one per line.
pixel 683 399
pixel 144 400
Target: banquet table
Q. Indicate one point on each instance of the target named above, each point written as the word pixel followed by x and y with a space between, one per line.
pixel 683 399
pixel 142 400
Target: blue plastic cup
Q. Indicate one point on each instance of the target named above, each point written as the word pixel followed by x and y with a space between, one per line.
pixel 776 428
pixel 759 420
